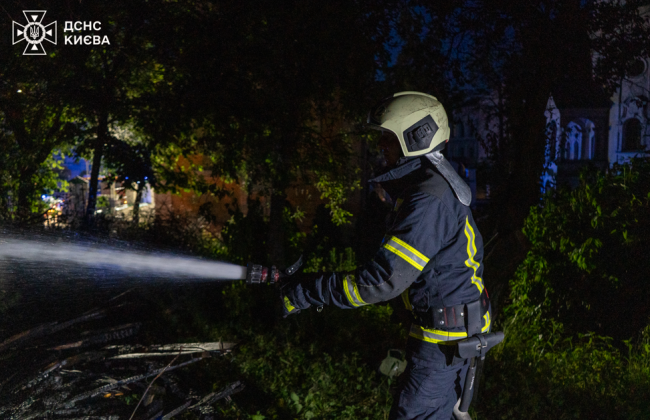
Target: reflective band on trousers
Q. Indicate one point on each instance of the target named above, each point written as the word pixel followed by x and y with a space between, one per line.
pixel 435 336
pixel 352 291
pixel 407 252
pixel 471 252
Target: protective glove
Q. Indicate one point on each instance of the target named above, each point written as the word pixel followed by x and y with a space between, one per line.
pixel 291 290
pixel 291 304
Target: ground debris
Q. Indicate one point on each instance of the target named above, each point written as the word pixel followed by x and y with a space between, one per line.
pixel 204 406
pixel 134 351
pixel 126 381
pixel 116 333
pixel 47 329
pixel 70 370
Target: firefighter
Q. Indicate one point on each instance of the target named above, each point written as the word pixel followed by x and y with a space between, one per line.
pixel 431 256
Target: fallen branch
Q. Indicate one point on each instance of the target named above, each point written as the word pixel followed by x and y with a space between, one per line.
pixel 229 390
pixel 154 380
pixel 117 333
pixel 46 329
pixel 169 349
pixel 105 388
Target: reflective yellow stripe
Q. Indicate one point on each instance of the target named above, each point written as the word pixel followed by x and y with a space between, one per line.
pixel 352 292
pixel 406 252
pixel 398 203
pixel 435 336
pixel 486 317
pixel 471 252
pixel 404 256
pixel 406 300
pixel 410 248
pixel 288 305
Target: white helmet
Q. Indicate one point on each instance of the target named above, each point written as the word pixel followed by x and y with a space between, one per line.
pixel 418 120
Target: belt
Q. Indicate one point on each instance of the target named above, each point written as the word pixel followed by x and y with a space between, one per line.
pixel 456 316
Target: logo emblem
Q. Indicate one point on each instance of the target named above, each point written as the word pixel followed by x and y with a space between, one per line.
pixel 34 32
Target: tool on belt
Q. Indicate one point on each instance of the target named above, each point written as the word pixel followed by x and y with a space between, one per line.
pixel 474 347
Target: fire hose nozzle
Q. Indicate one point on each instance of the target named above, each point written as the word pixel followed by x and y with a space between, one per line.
pixel 257 273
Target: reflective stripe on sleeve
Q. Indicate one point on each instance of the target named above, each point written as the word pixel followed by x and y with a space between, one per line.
pixel 352 291
pixel 406 252
pixel 435 336
pixel 471 252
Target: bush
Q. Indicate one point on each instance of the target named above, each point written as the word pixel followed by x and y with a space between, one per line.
pixel 576 325
pixel 313 365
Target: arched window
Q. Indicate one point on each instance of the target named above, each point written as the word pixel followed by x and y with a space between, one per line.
pixel 576 151
pixel 632 135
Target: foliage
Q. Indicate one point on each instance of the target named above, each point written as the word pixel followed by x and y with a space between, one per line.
pixel 245 236
pixel 289 371
pixel 620 38
pixel 484 61
pixel 577 324
pixel 311 384
pixel 291 120
pixel 312 376
pixel 336 193
pixel 588 248
pixel 35 127
pixel 333 261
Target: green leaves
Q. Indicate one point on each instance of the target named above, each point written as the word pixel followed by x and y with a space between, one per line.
pixel 579 296
pixel 582 240
pixel 336 193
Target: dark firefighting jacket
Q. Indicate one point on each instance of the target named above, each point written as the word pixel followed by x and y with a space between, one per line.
pixel 431 255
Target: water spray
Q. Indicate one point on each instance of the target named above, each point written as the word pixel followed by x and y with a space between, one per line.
pixel 147 264
pixel 150 264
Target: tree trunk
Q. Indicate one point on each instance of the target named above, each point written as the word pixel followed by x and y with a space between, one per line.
pixel 136 204
pixel 25 191
pixel 275 244
pixel 102 138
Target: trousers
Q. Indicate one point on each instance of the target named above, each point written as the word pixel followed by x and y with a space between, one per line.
pixel 431 384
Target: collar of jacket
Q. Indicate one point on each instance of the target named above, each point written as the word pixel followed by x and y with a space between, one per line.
pixel 404 167
pixel 407 172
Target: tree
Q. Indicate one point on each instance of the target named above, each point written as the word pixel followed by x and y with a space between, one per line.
pixel 34 122
pixel 129 162
pixel 271 92
pixel 103 84
pixel 505 58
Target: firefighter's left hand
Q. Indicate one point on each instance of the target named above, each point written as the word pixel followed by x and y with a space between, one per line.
pixel 292 296
pixel 290 290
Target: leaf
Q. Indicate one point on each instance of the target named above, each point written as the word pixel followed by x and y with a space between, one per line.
pixel 295 397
